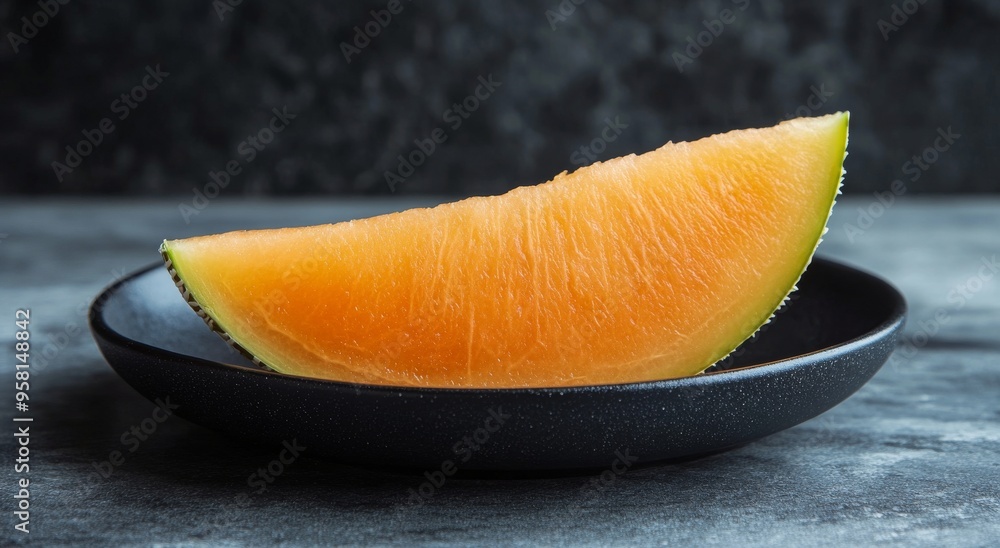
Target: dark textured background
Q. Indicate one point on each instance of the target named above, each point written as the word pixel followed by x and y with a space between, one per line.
pixel 606 59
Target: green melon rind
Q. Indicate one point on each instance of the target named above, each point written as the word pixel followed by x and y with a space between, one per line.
pixel 173 268
pixel 845 117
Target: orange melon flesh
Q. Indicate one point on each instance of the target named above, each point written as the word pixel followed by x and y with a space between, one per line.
pixel 639 268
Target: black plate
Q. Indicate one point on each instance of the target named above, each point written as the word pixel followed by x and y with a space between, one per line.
pixel 834 335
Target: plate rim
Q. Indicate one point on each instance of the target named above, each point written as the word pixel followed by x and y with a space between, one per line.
pixel 894 321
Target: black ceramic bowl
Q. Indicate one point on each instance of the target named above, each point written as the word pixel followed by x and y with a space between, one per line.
pixel 835 334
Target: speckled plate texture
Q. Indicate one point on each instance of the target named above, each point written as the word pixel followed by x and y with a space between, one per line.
pixel 834 334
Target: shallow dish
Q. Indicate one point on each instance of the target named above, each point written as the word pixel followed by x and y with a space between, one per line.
pixel 836 332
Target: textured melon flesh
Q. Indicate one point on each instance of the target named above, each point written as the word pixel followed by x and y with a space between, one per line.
pixel 639 268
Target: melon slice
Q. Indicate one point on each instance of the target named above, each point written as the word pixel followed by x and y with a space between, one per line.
pixel 639 268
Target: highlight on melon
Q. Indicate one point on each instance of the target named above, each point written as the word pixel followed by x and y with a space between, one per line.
pixel 635 269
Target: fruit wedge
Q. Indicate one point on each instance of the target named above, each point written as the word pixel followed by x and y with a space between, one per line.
pixel 639 268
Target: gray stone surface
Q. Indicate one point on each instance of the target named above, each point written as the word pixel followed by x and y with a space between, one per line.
pixel 913 458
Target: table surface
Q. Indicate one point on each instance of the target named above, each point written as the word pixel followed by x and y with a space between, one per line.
pixel 914 456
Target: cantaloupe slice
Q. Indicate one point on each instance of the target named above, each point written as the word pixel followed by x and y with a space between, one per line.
pixel 635 269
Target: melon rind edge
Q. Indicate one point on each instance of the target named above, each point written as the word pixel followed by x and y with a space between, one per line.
pixel 212 324
pixel 819 240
